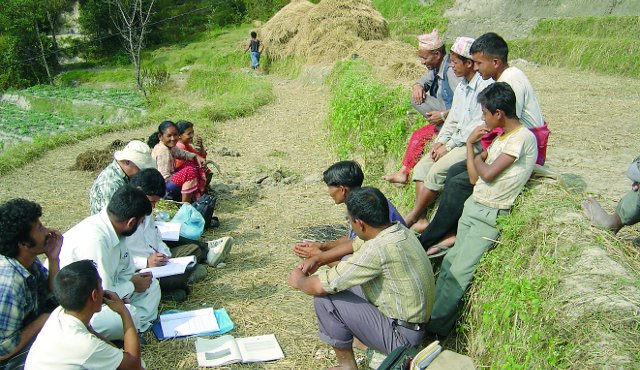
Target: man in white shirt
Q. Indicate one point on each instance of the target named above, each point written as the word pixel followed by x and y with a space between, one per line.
pixel 99 238
pixel 449 146
pixel 67 340
pixel 490 53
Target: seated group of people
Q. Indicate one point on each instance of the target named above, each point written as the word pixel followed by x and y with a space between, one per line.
pixel 92 292
pixel 489 133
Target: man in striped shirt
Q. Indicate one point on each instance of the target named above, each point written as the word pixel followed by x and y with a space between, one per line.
pixel 382 295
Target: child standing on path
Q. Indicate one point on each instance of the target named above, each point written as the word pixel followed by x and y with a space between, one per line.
pixel 256 48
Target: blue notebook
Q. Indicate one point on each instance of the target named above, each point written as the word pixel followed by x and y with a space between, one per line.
pixel 222 317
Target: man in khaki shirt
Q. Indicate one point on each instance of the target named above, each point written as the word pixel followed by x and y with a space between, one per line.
pixel 394 274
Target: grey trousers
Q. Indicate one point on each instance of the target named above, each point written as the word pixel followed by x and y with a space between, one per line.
pixel 347 314
pixel 428 105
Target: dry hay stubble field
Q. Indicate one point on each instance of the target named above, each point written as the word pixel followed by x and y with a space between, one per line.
pixel 289 135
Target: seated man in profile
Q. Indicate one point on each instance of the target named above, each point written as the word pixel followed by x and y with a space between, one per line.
pixel 67 338
pixel 25 285
pixel 100 238
pixel 375 295
pixel 340 178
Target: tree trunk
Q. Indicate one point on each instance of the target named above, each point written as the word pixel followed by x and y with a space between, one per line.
pixel 42 50
pixel 56 49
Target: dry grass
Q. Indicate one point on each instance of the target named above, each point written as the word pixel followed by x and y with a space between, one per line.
pixel 322 33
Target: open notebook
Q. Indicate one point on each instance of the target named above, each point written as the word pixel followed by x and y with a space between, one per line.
pixel 227 350
pixel 175 266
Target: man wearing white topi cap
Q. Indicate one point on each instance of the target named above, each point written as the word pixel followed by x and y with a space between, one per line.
pixel 449 146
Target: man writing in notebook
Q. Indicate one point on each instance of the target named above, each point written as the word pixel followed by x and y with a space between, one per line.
pixel 67 338
pixel 375 296
pixel 99 238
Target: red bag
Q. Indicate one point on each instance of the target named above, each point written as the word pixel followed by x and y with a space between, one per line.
pixel 542 137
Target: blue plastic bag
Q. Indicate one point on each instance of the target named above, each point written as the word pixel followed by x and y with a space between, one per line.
pixel 192 222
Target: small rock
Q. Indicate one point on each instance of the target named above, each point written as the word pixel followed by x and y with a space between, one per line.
pixel 288 180
pixel 221 188
pixel 185 68
pixel 269 181
pixel 226 152
pixel 260 178
pixel 221 265
pixel 313 178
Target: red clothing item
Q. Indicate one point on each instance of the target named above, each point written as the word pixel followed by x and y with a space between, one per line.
pixel 416 145
pixel 542 137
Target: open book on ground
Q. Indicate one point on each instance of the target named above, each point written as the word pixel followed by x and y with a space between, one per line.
pixel 227 350
pixel 175 266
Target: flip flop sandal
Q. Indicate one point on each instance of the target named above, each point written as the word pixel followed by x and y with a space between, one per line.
pixel 442 251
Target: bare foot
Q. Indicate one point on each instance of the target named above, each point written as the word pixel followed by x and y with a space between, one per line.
pixel 399 178
pixel 598 216
pixel 420 225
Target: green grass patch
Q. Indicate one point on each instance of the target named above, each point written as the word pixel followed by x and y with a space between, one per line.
pixel 215 86
pixel 368 120
pixel 115 97
pixel 288 67
pixel 365 115
pixel 601 44
pixel 509 317
pixel 407 19
pixel 27 123
pixel 100 77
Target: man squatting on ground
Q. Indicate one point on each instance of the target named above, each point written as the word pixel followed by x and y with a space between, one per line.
pixel 449 146
pixel 340 178
pixel 499 174
pixel 381 295
pixel 432 97
pixel 26 297
pixel 490 54
pixel 67 338
pixel 627 211
pixel 100 238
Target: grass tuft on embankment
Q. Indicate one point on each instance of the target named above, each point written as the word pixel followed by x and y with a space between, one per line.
pixel 407 19
pixel 601 44
pixel 548 296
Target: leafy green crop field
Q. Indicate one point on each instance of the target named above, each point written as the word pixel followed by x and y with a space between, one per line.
pixel 115 97
pixel 20 122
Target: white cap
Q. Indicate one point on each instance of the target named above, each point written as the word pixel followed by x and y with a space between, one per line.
pixel 137 152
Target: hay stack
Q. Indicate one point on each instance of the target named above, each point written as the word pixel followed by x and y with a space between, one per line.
pixel 281 28
pixel 325 32
pixel 392 60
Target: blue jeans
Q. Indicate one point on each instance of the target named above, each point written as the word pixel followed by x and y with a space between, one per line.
pixel 255 59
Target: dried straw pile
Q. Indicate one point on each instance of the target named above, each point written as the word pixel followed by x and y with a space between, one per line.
pixel 96 159
pixel 323 33
pixel 336 29
pixel 392 60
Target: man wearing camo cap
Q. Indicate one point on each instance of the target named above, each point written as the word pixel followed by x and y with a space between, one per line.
pixel 627 211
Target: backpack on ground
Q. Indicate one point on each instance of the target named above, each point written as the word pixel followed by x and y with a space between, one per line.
pixel 206 204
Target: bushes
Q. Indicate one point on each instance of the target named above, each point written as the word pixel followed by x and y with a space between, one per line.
pixel 410 18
